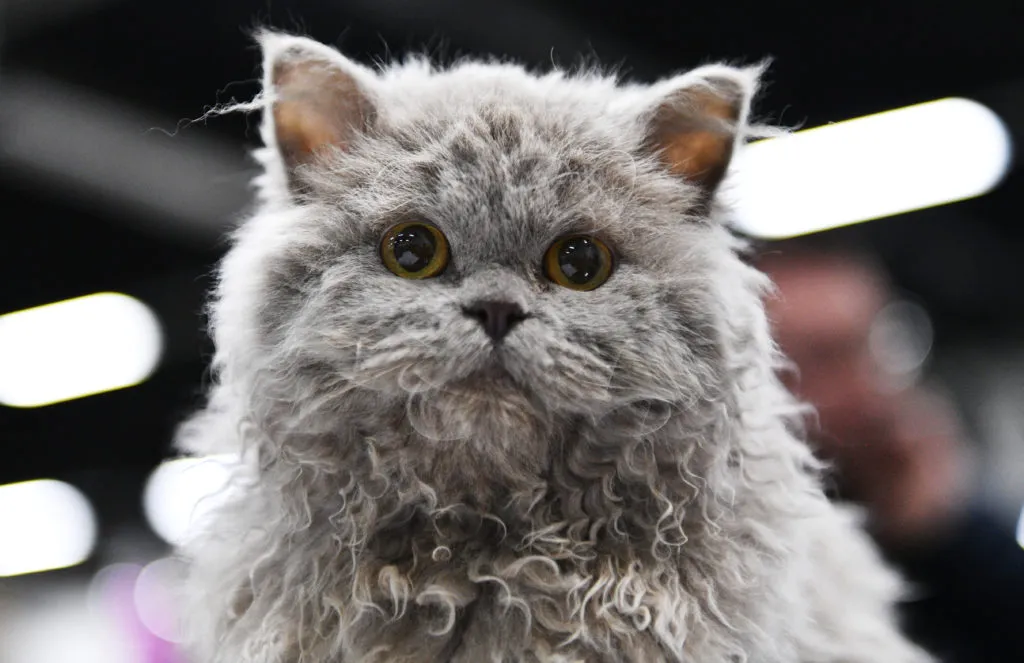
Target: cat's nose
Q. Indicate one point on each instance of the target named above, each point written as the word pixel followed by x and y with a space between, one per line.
pixel 497 317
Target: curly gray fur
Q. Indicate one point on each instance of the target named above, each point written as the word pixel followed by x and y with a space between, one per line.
pixel 631 486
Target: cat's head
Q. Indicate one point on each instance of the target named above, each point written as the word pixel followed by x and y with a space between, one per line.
pixel 479 252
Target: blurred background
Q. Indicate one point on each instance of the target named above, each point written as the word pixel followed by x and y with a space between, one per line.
pixel 107 186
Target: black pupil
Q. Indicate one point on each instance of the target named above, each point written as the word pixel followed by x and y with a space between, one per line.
pixel 414 248
pixel 580 259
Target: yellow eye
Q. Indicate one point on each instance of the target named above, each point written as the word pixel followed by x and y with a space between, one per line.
pixel 579 262
pixel 414 250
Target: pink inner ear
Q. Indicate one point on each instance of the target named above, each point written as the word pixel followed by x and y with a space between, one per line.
pixel 301 130
pixel 700 157
pixel 694 133
pixel 317 105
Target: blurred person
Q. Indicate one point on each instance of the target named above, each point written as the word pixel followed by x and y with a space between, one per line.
pixel 898 451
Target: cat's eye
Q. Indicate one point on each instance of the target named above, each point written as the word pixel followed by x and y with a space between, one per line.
pixel 580 262
pixel 414 250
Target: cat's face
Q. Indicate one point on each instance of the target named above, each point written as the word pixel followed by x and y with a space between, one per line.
pixel 482 252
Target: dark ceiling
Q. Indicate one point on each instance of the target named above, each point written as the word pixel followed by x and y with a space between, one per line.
pixel 86 210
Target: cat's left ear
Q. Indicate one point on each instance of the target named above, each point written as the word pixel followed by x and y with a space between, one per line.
pixel 695 119
pixel 317 99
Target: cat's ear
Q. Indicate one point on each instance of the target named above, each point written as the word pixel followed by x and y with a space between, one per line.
pixel 694 121
pixel 316 99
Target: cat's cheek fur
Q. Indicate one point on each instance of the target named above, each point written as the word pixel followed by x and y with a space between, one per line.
pixel 618 480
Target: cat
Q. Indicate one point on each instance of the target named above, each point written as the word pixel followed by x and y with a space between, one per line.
pixel 503 387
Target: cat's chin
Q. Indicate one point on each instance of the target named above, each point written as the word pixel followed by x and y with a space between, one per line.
pixel 486 404
pixel 480 432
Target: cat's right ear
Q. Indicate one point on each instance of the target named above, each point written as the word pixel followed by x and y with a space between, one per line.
pixel 316 99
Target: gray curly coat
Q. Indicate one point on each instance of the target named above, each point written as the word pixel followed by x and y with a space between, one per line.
pixel 621 479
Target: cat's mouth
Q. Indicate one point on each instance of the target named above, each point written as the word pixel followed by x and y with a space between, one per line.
pixel 491 374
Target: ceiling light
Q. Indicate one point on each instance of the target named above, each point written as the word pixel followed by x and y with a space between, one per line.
pixel 76 348
pixel 867 168
pixel 1020 529
pixel 44 525
pixel 180 492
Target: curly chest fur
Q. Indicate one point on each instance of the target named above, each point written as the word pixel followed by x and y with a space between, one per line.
pixel 609 556
pixel 461 586
pixel 520 614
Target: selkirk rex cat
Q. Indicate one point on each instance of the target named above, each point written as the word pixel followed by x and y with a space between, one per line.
pixel 504 388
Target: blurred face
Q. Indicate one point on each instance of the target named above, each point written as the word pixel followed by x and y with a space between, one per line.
pixel 894 450
pixel 822 318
